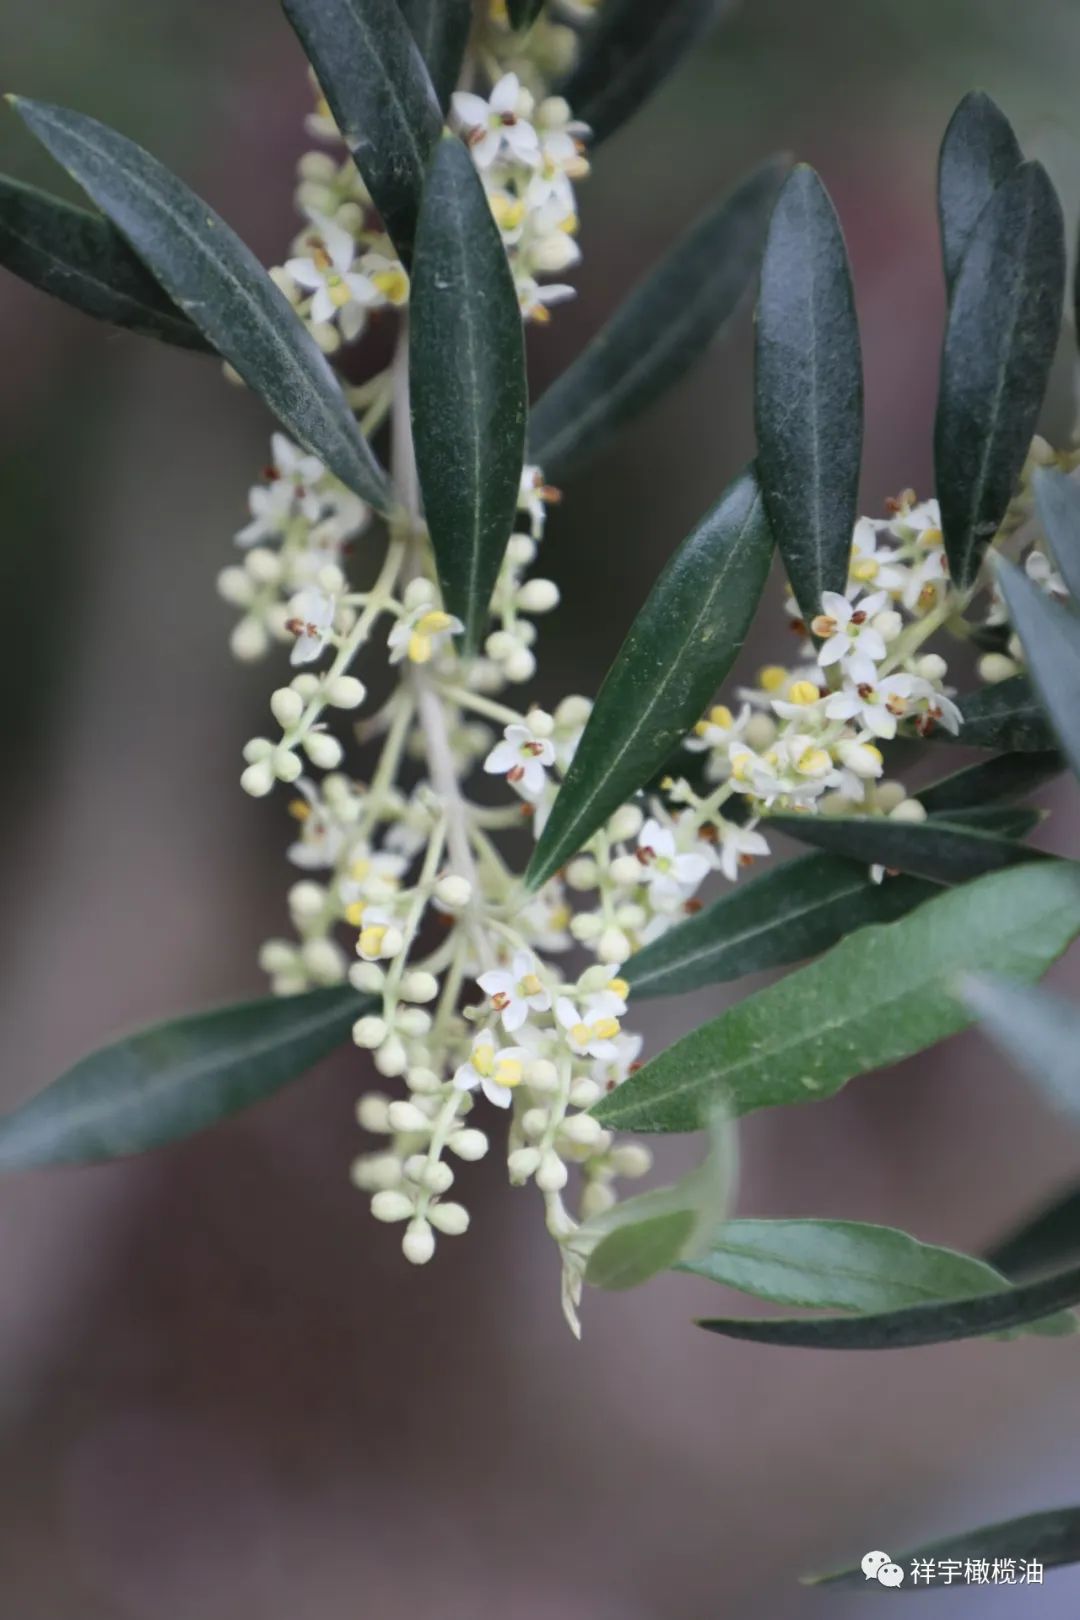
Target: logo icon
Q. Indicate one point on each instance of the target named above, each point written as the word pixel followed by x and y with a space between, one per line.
pixel 878 1566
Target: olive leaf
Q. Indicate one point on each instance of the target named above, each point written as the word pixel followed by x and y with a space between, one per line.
pixel 373 76
pixel 657 334
pixel 1002 777
pixel 81 259
pixel 1043 1240
pixel 467 383
pixel 1038 1030
pixel 629 52
pixel 441 30
pixel 935 848
pixel 880 995
pixel 808 397
pixel 1050 633
pixel 680 647
pixel 1058 502
pixel 171 1080
pixel 1050 1538
pixel 523 13
pixel 1002 330
pixel 216 281
pixel 979 151
pixel 795 910
pixel 1006 715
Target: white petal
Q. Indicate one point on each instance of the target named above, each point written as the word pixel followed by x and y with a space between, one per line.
pixel 499 1095
pixel 306 274
pixel 503 758
pixel 470 110
pixel 504 97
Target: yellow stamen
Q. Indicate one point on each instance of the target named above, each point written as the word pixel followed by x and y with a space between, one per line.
pixel 371 939
pixel 483 1060
pixel 299 809
pixel 509 1072
pixel 605 1029
pixel 580 1034
pixel 772 677
pixel 393 284
pixel 932 537
pixel 619 987
pixel 804 692
pixel 530 985
pixel 720 715
pixel 813 762
pixel 865 569
pixel 354 914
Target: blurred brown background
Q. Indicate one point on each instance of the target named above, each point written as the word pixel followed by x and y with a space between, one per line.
pixel 223 1396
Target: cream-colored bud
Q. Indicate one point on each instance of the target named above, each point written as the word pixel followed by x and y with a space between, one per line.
pixel 553 112
pixel 540 722
pixel 406 1117
pixel 248 640
pixel 887 795
pixel 418 591
pixel 534 1121
pixel 258 779
pixel 521 550
pixel 631 918
pixel 581 1129
pixel 264 566
pixel 289 984
pixel 324 960
pixel 520 666
pixel 625 824
pixel 371 1112
pixel 422 1080
pixel 418 985
pixel 375 1172
pixel 418 1244
pixel 370 1032
pixel 582 873
pixel 554 253
pixel 625 870
pixel 632 1160
pixel 760 731
pixel 450 1219
pixel 597 1199
pixel 521 1164
pixel 330 579
pixel 438 1177
pixel 573 711
pixel 286 706
pixel 613 946
pixel 390 1060
pixel 538 596
pixel 584 1092
pixel 326 336
pixel 236 586
pixel 501 645
pixel 277 956
pixel 888 624
pixel 836 804
pixel 552 1175
pixel 345 692
pixel 586 926
pixel 287 766
pixel 306 899
pixel 258 748
pixel 931 667
pixel 367 976
pixel 994 667
pixel 323 750
pixel 542 1075
pixel 414 1021
pixel 392 1205
pixel 863 759
pixel 306 684
pixel 453 892
pixel 469 1145
pixel 908 810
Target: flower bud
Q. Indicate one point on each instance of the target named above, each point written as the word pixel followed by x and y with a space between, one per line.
pixel 597 1199
pixel 586 926
pixel 277 956
pixel 520 666
pixel 418 591
pixel 538 596
pixel 287 766
pixel 863 759
pixel 534 1121
pixel 418 985
pixel 994 667
pixel 390 1060
pixel 625 870
pixel 501 645
pixel 582 874
pixel 414 1021
pixel 286 706
pixel 888 624
pixel 371 1112
pixel 375 1172
pixel 235 586
pixel 760 731
pixel 581 1129
pixel 306 684
pixel 908 810
pixel 323 750
pixel 613 946
pixel 370 1032
pixel 330 579
pixel 360 977
pixel 469 1145
pixel 931 667
pixel 552 1175
pixel 453 892
pixel 632 1160
pixel 521 1164
pixel 418 1244
pixel 887 795
pixel 264 566
pixel 392 1205
pixel 625 824
pixel 258 748
pixel 324 960
pixel 573 711
pixel 451 1219
pixel 542 1075
pixel 306 899
pixel 584 1092
pixel 421 1080
pixel 345 692
pixel 258 779
pixel 540 723
pixel 521 549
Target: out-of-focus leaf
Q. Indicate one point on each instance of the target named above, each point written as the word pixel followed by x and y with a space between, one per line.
pixel 1038 1030
pixel 1002 330
pixel 1058 502
pixel 879 996
pixel 1050 633
pixel 680 647
pixel 1005 776
pixel 523 13
pixel 944 851
pixel 441 30
pixel 808 399
pixel 1051 1538
pixel 979 151
pixel 81 259
pixel 665 325
pixel 793 911
pixel 384 103
pixel 839 1266
pixel 174 1079
pixel 629 52
pixel 467 379
pixel 1005 716
pixel 1044 1240
pixel 218 283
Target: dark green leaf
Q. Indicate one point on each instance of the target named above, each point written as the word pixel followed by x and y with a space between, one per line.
pixel 81 259
pixel 1005 776
pixel 1002 330
pixel 1058 501
pixel 628 54
pixel 941 850
pixel 1006 715
pixel 979 151
pixel 839 1266
pixel 467 376
pixel 680 647
pixel 808 400
pixel 879 996
pixel 174 1079
pixel 1038 1030
pixel 523 13
pixel 795 910
pixel 1050 633
pixel 1046 1239
pixel 374 79
pixel 216 281
pixel 441 30
pixel 664 326
pixel 1051 1538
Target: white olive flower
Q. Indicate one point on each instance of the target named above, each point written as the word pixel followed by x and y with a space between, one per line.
pixel 671 875
pixel 718 729
pixel 1041 572
pixel 535 301
pixel 879 707
pixel 917 520
pixel 494 128
pixel 515 991
pixel 738 847
pixel 523 759
pixel 609 1001
pixel 612 1071
pixel 290 490
pixel 419 634
pixel 586 1036
pixel 848 637
pixel 495 1070
pixel 328 272
pixel 311 619
pixel 934 706
pixel 872 563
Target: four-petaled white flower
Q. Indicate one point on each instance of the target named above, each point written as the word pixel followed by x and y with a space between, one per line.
pixel 496 1070
pixel 494 128
pixel 611 1072
pixel 872 563
pixel 290 490
pixel 515 991
pixel 671 875
pixel 311 619
pixel 719 728
pixel 879 707
pixel 523 759
pixel 609 1001
pixel 738 847
pixel 421 633
pixel 535 301
pixel 934 705
pixel 587 1036
pixel 848 636
pixel 328 272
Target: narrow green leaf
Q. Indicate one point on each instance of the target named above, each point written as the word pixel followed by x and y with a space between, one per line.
pixel 216 281
pixel 1038 1030
pixel 839 1265
pixel 1046 1239
pixel 174 1079
pixel 941 850
pixel 629 52
pixel 467 376
pixel 966 1317
pixel 1051 1538
pixel 680 647
pixel 523 13
pixel 879 996
pixel 792 911
pixel 374 79
pixel 1050 633
pixel 1006 715
pixel 81 259
pixel 1058 501
pixel 1005 776
pixel 441 30
pixel 631 1254
pixel 808 400
pixel 1002 330
pixel 979 151
pixel 664 326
